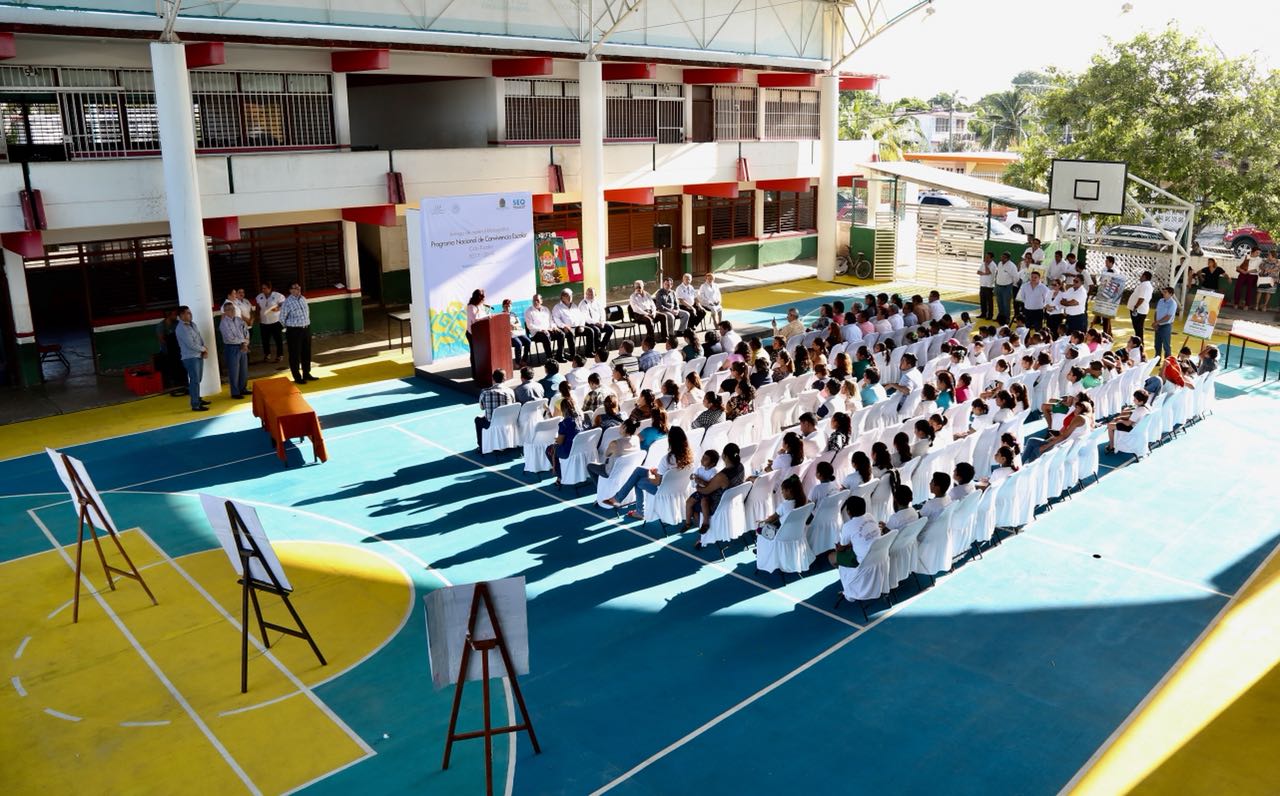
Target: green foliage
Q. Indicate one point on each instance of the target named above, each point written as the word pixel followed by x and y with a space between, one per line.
pixel 1005 119
pixel 863 115
pixel 1183 116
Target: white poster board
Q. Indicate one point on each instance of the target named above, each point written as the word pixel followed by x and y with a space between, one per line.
pixel 448 610
pixel 1106 302
pixel 467 242
pixel 103 521
pixel 215 508
pixel 1202 314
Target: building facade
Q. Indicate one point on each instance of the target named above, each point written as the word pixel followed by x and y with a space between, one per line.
pixel 142 174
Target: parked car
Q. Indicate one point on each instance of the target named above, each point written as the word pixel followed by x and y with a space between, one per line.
pixel 1242 240
pixel 1137 236
pixel 962 235
pixel 938 198
pixel 1022 225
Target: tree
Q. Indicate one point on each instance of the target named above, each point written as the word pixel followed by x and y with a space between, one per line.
pixel 1031 80
pixel 1184 117
pixel 911 104
pixel 1004 119
pixel 863 115
pixel 896 135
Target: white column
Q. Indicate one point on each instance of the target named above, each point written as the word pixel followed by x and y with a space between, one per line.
pixel 182 197
pixel 420 316
pixel 341 109
pixel 829 100
pixel 16 275
pixel 351 263
pixel 686 232
pixel 595 213
pixel 757 216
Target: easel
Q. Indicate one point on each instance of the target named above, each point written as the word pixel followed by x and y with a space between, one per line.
pixel 484 646
pixel 249 550
pixel 84 497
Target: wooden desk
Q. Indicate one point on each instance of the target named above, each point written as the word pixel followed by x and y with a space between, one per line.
pixel 286 414
pixel 266 389
pixel 1244 340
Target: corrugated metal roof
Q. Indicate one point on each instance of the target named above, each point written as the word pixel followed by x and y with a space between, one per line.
pixel 960 183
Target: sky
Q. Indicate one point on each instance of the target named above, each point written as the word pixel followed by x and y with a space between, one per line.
pixel 977 46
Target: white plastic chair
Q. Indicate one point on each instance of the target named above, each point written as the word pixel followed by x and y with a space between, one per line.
pixel 667 504
pixel 984 520
pixel 531 414
pixel 869 580
pixel 760 501
pixel 573 470
pixel 963 528
pixel 934 554
pixel 1136 442
pixel 716 437
pixel 622 469
pixel 1087 456
pixel 902 553
pixel 729 520
pixel 692 366
pixel 535 447
pixel 744 429
pixel 658 450
pixel 922 473
pixel 712 364
pixel 824 528
pixel 503 432
pixel 788 550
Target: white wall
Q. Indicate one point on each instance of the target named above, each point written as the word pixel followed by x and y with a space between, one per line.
pixel 439 114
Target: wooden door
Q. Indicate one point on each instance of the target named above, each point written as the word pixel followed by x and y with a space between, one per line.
pixel 703 122
pixel 668 212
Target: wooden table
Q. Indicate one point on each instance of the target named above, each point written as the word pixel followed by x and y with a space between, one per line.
pixel 286 414
pixel 1244 340
pixel 403 318
pixel 266 389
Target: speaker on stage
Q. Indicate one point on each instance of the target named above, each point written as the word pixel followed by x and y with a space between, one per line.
pixel 662 236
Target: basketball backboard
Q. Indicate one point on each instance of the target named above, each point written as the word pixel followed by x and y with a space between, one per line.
pixel 1088 186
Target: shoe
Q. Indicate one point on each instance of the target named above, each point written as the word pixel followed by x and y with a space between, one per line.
pixel 203 402
pixel 237 397
pixel 247 392
pixel 312 378
pixel 299 381
pixel 201 408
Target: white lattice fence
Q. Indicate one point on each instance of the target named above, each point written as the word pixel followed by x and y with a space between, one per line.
pixel 1131 263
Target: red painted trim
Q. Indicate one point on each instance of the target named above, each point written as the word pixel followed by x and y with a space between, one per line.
pixel 785 80
pixel 717 75
pixel 360 60
pixel 32 335
pixel 544 203
pixel 521 67
pixel 858 82
pixel 205 53
pixel 629 71
pixel 8 46
pixel 630 196
pixel 719 190
pixel 379 215
pixel 29 243
pixel 223 228
pixel 796 185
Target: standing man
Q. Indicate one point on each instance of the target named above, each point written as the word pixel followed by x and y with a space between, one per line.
pixel 568 319
pixel 1075 303
pixel 235 349
pixel 986 286
pixel 1140 304
pixel 1034 295
pixel 670 309
pixel 687 298
pixel 537 321
pixel 494 396
pixel 1166 312
pixel 1108 273
pixel 1037 253
pixel 593 317
pixel 269 304
pixel 296 317
pixel 1059 268
pixel 192 350
pixel 643 308
pixel 1006 280
pixel 709 296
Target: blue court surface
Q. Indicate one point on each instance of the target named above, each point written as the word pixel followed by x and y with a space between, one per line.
pixel 660 669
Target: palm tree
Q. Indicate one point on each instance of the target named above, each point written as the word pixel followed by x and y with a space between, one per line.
pixel 896 134
pixel 1004 119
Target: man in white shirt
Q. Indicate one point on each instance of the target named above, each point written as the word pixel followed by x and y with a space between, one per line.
pixel 643 308
pixel 1140 303
pixel 962 476
pixel 729 339
pixel 1075 303
pixel 568 319
pixel 1059 268
pixel 1037 253
pixel 851 333
pixel 987 286
pixel 593 317
pixel 894 318
pixel 709 295
pixel 537 322
pixel 903 514
pixel 1006 281
pixel 687 298
pixel 269 304
pixel 939 485
pixel 936 308
pixel 1034 295
pixel 911 379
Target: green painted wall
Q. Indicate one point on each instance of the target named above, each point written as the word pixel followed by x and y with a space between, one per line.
pixel 997 248
pixel 862 239
pixel 781 250
pixel 395 287
pixel 624 272
pixel 29 374
pixel 735 258
pixel 337 315
pixel 119 348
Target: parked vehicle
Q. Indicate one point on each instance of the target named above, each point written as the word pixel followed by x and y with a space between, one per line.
pixel 1137 236
pixel 1242 240
pixel 938 198
pixel 1022 225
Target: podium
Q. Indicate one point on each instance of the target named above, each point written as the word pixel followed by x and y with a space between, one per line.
pixel 491 343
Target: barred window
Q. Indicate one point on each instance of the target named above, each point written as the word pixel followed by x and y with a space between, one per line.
pixel 541 110
pixel 791 114
pixel 789 211
pixel 631 226
pixel 735 113
pixel 731 218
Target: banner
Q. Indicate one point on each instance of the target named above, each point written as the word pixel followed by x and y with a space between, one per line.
pixel 1106 302
pixel 469 242
pixel 1202 315
pixel 558 257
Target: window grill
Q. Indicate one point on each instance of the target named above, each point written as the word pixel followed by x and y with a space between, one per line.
pixel 791 114
pixel 789 211
pixel 112 112
pixel 548 110
pixel 731 219
pixel 735 113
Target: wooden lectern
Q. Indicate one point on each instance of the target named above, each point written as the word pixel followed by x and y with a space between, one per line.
pixel 491 338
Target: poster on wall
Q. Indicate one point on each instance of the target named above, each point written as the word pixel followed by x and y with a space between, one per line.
pixel 558 257
pixel 1202 314
pixel 1106 302
pixel 468 242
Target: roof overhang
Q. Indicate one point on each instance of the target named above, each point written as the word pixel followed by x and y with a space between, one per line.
pixel 959 183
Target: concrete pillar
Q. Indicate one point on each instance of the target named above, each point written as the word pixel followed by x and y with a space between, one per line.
pixel 182 197
pixel 351 263
pixel 28 364
pixel 757 216
pixel 341 109
pixel 595 212
pixel 686 233
pixel 829 131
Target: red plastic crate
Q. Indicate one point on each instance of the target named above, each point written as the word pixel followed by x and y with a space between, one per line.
pixel 143 380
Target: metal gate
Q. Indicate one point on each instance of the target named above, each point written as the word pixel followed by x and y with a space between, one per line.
pixel 949 244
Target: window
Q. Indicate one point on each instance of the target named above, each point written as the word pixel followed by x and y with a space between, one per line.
pixel 731 219
pixel 735 113
pixel 791 114
pixel 790 211
pixel 541 110
pixel 631 226
pixel 644 112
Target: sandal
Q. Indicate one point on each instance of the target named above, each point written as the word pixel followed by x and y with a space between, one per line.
pixel 635 515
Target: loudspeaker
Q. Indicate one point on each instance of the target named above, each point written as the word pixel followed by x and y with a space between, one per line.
pixel 662 236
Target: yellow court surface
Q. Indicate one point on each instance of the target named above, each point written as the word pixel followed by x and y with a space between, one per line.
pixel 137 698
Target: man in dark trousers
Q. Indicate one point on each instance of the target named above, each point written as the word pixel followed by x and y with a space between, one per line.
pixel 296 317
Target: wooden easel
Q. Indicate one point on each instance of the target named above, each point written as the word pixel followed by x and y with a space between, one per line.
pixel 250 586
pixel 84 497
pixel 484 646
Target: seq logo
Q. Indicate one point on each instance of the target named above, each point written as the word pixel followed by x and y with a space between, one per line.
pixel 518 202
